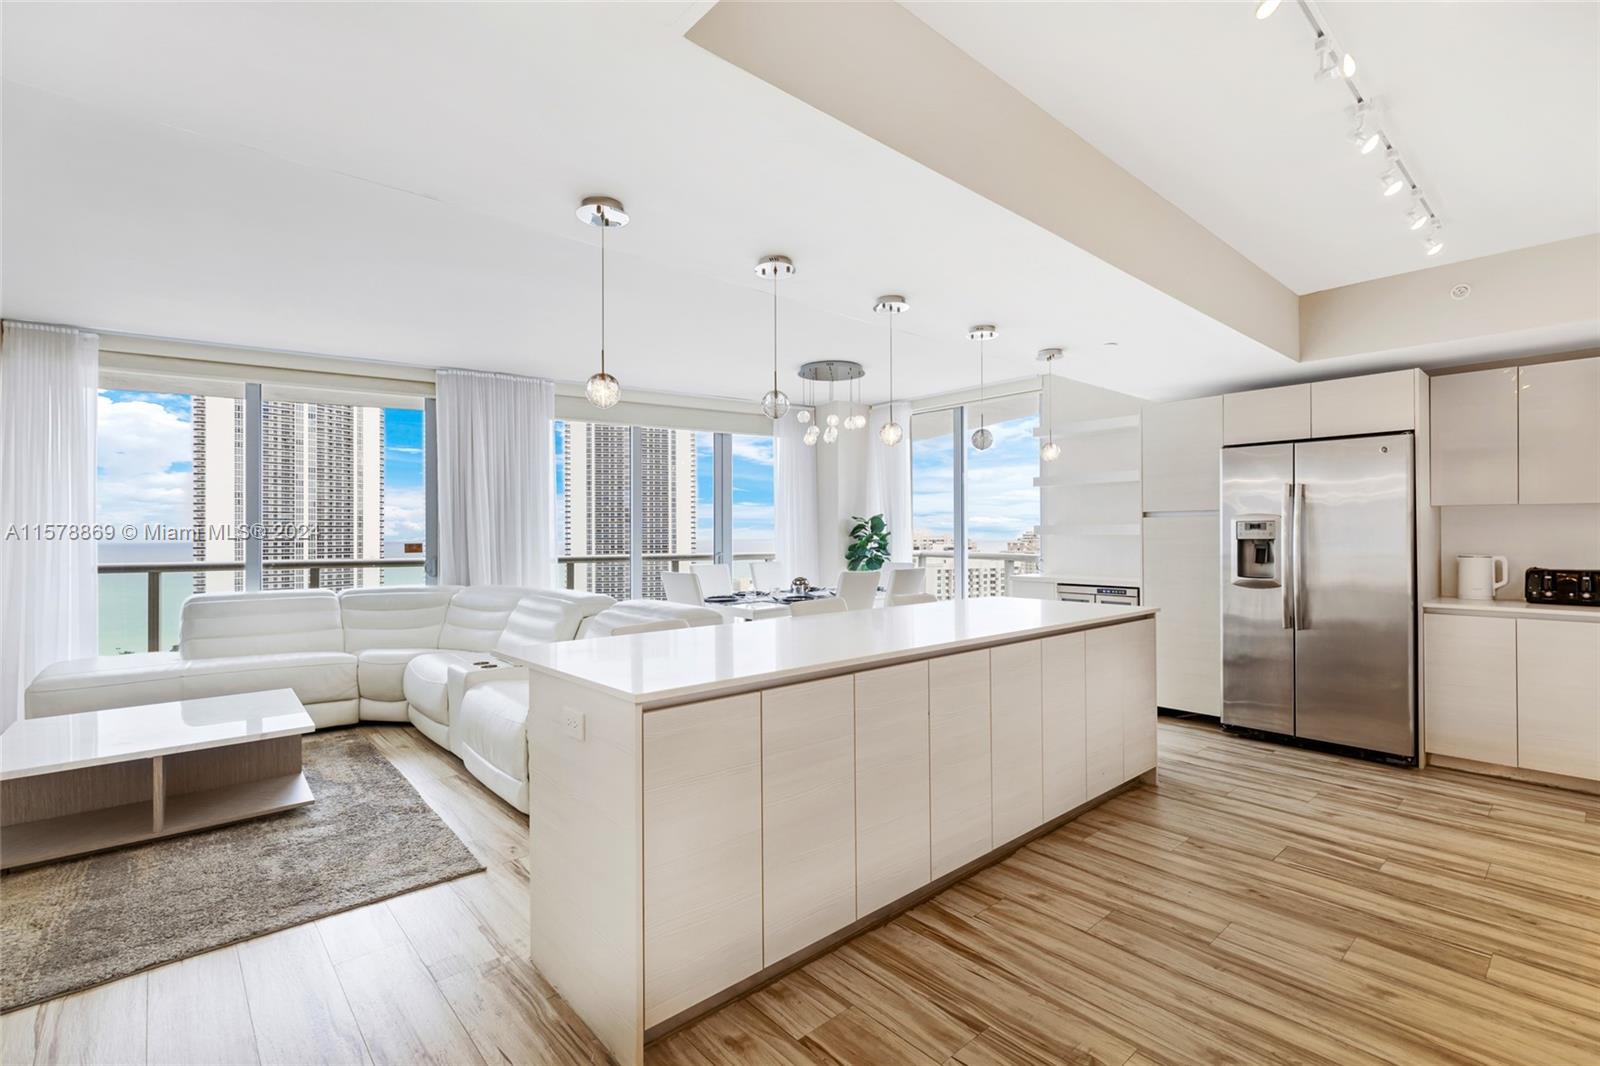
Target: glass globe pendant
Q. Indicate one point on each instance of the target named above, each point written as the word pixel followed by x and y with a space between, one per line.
pixel 802 415
pixel 813 434
pixel 890 432
pixel 982 439
pixel 603 390
pixel 830 434
pixel 775 404
pixel 1050 451
pixel 605 213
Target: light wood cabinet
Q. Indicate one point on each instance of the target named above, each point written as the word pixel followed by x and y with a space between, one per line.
pixel 808 811
pixel 1558 434
pixel 1121 699
pixel 1264 415
pixel 1015 738
pixel 1372 403
pixel 1473 436
pixel 893 849
pixel 1062 728
pixel 1558 697
pixel 958 759
pixel 702 851
pixel 1181 560
pixel 1181 464
pixel 1471 670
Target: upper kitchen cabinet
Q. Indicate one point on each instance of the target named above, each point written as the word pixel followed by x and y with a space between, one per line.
pixel 1558 435
pixel 1266 415
pixel 1374 403
pixel 1473 431
pixel 1180 444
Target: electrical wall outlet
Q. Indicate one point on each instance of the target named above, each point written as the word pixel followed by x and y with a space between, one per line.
pixel 572 722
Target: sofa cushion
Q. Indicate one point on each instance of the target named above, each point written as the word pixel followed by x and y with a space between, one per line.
pixel 477 614
pixel 546 616
pixel 316 677
pixel 217 624
pixel 105 681
pixel 426 679
pixel 491 725
pixel 380 672
pixel 406 617
pixel 631 613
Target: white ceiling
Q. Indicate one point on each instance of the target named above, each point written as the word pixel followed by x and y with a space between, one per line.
pixel 1494 106
pixel 397 182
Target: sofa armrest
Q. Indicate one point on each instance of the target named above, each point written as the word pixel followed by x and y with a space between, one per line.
pixel 460 677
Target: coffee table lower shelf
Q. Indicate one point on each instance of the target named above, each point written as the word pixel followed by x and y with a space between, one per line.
pixel 85 810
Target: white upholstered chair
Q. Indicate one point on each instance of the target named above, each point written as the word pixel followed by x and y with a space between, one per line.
pixel 907 581
pixel 769 574
pixel 858 589
pixel 681 587
pixel 715 578
pixel 831 605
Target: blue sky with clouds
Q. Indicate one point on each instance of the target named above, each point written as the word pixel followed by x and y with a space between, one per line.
pixel 1002 500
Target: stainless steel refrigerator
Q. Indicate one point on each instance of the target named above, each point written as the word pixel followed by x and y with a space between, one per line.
pixel 1319 591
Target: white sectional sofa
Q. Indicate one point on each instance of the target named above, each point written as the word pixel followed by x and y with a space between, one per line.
pixel 433 656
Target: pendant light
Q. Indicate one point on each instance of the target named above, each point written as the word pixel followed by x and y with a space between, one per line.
pixel 1050 451
pixel 891 433
pixel 982 439
pixel 775 404
pixel 603 390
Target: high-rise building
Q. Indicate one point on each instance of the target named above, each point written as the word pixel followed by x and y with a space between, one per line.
pixel 597 513
pixel 321 475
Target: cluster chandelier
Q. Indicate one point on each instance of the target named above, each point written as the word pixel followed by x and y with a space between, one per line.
pixel 831 371
pixel 1365 133
pixel 605 213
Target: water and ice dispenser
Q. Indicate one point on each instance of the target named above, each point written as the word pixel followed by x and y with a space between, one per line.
pixel 1257 555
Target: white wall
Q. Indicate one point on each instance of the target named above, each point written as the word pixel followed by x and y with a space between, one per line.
pixel 1089 502
pixel 843 487
pixel 1548 535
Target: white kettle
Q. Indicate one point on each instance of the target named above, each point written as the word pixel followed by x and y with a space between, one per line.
pixel 1479 577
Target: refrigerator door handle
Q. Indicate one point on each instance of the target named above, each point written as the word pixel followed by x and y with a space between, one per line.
pixel 1294 552
pixel 1293 564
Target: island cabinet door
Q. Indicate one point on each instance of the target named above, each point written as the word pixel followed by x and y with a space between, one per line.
pixel 1120 669
pixel 702 851
pixel 808 804
pixel 958 759
pixel 1064 726
pixel 893 850
pixel 1015 738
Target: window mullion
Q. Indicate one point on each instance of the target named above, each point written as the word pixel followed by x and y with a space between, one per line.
pixel 958 588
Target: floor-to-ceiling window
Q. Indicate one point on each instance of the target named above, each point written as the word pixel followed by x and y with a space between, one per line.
pixel 752 517
pixel 594 506
pixel 975 513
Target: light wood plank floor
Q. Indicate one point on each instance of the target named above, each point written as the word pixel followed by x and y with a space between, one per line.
pixel 1261 905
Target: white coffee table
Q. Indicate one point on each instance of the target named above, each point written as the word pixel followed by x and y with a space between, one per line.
pixel 78 783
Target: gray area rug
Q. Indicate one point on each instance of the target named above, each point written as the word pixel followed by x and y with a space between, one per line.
pixel 69 925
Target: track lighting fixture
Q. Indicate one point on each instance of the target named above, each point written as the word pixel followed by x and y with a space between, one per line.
pixel 1417 217
pixel 1431 244
pixel 1393 179
pixel 1265 9
pixel 1365 134
pixel 1330 64
pixel 605 213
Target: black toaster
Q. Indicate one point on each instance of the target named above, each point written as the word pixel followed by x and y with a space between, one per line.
pixel 1578 587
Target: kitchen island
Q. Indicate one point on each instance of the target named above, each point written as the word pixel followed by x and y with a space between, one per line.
pixel 711 807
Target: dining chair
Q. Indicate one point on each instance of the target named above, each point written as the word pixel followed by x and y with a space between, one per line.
pixel 650 627
pixel 769 575
pixel 830 605
pixel 912 597
pixel 716 579
pixel 681 587
pixel 908 581
pixel 858 588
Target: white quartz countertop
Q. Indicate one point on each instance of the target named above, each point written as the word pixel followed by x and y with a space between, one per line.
pixel 1564 612
pixel 672 666
pixel 33 746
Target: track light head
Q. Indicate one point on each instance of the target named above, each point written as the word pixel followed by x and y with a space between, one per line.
pixel 1431 244
pixel 1392 180
pixel 1364 133
pixel 1265 9
pixel 1417 217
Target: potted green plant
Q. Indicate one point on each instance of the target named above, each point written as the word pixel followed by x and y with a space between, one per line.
pixel 869 543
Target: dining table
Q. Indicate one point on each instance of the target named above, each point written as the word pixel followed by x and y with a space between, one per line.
pixel 754 605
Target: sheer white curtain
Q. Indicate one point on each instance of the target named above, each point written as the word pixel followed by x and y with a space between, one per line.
pixel 794 503
pixel 891 478
pixel 495 478
pixel 48 587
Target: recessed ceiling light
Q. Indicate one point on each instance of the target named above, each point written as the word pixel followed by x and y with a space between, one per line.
pixel 1265 9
